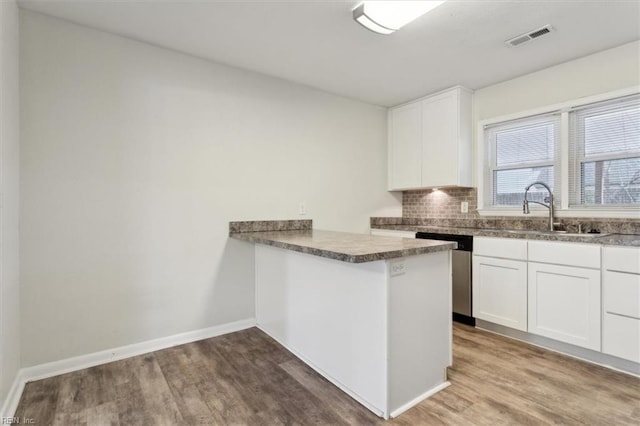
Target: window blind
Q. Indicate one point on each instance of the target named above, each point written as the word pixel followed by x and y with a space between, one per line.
pixel 604 152
pixel 522 152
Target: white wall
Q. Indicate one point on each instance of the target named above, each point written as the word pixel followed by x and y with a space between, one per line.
pixel 135 158
pixel 9 199
pixel 602 72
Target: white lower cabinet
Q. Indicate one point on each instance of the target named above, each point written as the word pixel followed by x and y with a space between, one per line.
pixel 500 291
pixel 621 304
pixel 581 294
pixel 621 337
pixel 564 304
pixel 500 281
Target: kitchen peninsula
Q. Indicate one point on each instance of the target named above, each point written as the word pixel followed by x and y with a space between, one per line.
pixel 371 314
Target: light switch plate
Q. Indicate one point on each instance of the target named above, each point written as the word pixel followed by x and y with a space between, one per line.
pixel 464 207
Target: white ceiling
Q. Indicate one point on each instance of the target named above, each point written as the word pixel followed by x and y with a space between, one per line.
pixel 317 43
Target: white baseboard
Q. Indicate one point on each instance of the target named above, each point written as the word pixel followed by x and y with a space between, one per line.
pixel 50 369
pixel 419 399
pixel 13 397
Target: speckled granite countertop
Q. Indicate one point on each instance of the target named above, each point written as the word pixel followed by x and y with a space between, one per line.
pixel 620 240
pixel 347 247
pixel 604 239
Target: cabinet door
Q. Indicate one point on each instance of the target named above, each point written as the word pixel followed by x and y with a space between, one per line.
pixel 500 291
pixel 440 140
pixel 621 327
pixel 405 146
pixel 621 337
pixel 564 304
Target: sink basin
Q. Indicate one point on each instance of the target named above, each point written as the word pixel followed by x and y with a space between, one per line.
pixel 559 233
pixel 571 234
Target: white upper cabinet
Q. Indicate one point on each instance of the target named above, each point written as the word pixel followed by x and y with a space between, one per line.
pixel 430 141
pixel 405 130
pixel 446 139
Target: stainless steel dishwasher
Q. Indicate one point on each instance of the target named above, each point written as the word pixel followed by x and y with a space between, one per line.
pixel 462 274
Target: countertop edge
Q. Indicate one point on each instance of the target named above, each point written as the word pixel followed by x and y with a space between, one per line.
pixel 257 238
pixel 624 240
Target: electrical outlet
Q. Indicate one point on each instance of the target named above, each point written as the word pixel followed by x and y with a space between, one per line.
pixel 398 268
pixel 302 209
pixel 464 207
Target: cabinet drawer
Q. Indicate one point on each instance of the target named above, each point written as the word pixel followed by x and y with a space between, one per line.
pixel 571 254
pixel 622 294
pixel 506 248
pixel 626 259
pixel 621 337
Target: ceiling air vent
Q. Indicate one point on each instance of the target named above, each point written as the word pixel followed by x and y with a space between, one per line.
pixel 523 38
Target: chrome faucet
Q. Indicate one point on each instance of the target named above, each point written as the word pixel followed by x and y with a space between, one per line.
pixel 549 200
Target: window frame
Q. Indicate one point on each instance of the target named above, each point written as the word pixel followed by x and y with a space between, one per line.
pixel 491 143
pixel 579 158
pixel 563 209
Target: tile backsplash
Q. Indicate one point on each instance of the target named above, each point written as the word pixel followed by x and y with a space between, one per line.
pixel 442 208
pixel 439 204
pixel 270 225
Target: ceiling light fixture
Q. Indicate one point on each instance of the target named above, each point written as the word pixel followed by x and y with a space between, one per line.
pixel 385 17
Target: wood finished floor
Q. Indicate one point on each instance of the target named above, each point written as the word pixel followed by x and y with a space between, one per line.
pixel 246 378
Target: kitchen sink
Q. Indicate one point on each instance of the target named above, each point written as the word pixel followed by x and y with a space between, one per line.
pixel 559 233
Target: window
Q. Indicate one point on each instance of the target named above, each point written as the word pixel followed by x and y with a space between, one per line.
pixel 522 152
pixel 604 154
pixel 587 151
